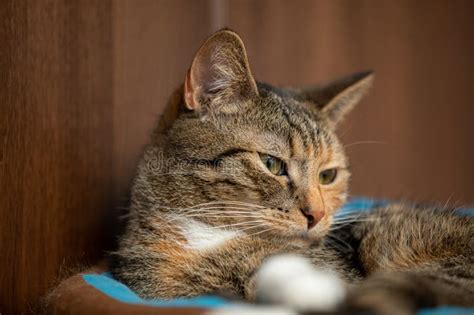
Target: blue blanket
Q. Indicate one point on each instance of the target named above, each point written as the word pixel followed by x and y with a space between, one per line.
pixel 105 283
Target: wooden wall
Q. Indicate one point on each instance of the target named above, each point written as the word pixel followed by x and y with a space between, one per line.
pixel 81 84
pixel 56 123
pixel 154 44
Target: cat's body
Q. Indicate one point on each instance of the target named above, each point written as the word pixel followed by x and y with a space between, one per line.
pixel 247 171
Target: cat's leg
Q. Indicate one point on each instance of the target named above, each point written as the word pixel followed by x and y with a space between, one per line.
pixel 414 258
pixel 406 291
pixel 243 267
pixel 162 271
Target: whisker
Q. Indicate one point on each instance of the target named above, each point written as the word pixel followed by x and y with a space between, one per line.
pixel 223 209
pixel 235 224
pixel 229 202
pixel 340 219
pixel 353 213
pixel 335 238
pixel 336 245
pixel 260 232
pixel 227 213
pixel 340 225
pixel 355 220
pixel 218 216
pixel 447 201
pixel 253 221
pixel 277 220
pixel 247 228
pixel 246 208
pixel 216 210
pixel 209 215
pixel 244 205
pixel 364 142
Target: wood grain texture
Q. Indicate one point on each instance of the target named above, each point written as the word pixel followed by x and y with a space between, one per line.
pixel 83 84
pixel 155 42
pixel 57 137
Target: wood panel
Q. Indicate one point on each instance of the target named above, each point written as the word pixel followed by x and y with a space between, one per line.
pixel 83 84
pixel 154 45
pixel 56 138
pixel 420 110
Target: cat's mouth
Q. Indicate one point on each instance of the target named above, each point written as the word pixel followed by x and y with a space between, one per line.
pixel 317 227
pixel 296 223
pixel 311 232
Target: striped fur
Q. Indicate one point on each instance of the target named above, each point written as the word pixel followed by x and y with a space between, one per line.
pixel 204 168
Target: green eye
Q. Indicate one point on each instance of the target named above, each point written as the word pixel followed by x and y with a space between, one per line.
pixel 328 176
pixel 275 165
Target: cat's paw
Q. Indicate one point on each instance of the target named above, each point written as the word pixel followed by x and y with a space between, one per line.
pixel 293 281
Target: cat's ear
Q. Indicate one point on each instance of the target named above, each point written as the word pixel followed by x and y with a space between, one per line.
pixel 219 78
pixel 336 99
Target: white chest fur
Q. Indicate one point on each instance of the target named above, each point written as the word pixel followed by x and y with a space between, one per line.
pixel 201 236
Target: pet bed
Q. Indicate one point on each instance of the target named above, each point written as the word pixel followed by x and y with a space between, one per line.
pixel 96 291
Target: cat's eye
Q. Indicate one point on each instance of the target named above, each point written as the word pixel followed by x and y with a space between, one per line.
pixel 274 165
pixel 328 176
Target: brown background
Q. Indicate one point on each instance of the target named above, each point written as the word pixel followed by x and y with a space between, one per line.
pixel 81 83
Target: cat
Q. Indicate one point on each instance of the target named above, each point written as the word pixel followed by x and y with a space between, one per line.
pixel 237 191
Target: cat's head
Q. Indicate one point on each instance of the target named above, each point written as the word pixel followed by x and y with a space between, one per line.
pixel 252 157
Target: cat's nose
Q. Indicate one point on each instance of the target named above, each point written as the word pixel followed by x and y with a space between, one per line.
pixel 313 217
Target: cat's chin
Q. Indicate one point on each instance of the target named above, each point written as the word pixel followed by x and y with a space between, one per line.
pixel 315 234
pixel 301 238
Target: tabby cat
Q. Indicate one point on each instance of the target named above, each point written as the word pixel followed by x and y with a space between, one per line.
pixel 240 174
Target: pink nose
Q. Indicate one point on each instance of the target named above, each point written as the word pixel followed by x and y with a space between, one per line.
pixel 313 217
